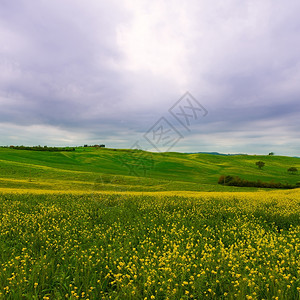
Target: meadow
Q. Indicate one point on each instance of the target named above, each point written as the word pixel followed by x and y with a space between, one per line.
pixel 70 230
pixel 87 169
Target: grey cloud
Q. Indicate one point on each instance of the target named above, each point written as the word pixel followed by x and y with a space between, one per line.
pixel 63 66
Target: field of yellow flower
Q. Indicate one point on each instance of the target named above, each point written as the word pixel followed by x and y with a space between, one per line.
pixel 150 245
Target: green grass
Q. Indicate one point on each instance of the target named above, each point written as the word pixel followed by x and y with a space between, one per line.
pixel 81 225
pixel 81 169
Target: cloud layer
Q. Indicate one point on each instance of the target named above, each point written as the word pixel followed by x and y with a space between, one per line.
pixel 76 72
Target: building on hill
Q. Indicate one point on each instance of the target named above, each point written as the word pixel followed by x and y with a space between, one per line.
pixel 98 146
pixel 95 146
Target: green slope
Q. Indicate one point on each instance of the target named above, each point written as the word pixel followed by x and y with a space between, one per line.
pixel 111 169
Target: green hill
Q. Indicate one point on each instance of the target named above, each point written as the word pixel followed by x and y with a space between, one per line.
pixel 92 169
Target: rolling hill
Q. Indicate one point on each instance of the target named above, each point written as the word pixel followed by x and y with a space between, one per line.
pixel 92 169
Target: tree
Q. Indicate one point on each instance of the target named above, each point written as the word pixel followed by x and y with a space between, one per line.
pixel 260 164
pixel 271 153
pixel 292 170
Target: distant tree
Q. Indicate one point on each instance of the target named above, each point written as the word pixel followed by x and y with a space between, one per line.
pixel 260 164
pixel 292 170
pixel 271 153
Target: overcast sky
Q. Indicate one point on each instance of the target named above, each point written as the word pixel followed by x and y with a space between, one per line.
pixel 113 72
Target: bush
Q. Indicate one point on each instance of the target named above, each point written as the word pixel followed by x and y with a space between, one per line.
pixel 260 164
pixel 292 170
pixel 237 181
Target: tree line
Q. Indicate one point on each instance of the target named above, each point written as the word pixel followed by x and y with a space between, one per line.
pixel 44 148
pixel 237 181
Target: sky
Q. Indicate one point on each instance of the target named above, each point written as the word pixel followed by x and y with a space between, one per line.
pixel 187 76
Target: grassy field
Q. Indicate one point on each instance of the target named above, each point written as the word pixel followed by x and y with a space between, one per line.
pixel 106 224
pixel 88 169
